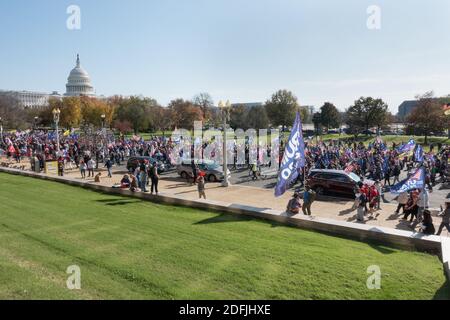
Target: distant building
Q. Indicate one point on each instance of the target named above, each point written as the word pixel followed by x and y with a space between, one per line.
pixel 30 99
pixel 311 109
pixel 247 105
pixel 405 109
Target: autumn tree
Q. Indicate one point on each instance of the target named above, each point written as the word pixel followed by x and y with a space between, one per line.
pixel 163 117
pixel 138 111
pixel 281 108
pixel 70 112
pixel 184 113
pixel 205 103
pixel 427 116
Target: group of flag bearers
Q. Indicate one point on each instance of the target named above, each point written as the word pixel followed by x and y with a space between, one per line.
pixel 294 161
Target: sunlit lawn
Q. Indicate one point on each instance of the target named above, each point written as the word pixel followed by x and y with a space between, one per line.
pixel 131 249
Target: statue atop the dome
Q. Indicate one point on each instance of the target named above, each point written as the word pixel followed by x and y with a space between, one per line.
pixel 78 60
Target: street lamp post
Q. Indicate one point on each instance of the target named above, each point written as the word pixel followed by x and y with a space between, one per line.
pixel 56 113
pixel 1 131
pixel 103 116
pixel 35 122
pixel 225 108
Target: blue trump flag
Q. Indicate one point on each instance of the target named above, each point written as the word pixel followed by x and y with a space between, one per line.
pixel 293 158
pixel 416 181
pixel 407 147
pixel 419 154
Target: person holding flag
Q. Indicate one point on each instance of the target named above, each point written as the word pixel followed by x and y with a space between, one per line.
pixel 293 158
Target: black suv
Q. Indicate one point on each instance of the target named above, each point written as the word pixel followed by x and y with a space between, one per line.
pixel 134 162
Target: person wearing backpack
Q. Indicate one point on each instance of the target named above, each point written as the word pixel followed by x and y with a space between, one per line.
pixel 308 198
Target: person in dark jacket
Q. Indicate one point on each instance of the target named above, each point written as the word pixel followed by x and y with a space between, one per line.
pixel 154 176
pixel 108 166
pixel 445 218
pixel 427 223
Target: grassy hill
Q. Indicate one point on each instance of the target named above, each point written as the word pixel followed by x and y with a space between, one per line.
pixel 131 249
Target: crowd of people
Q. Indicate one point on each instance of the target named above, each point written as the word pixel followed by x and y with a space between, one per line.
pixel 379 168
pixel 77 150
pixel 385 166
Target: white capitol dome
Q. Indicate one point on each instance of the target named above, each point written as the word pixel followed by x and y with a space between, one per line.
pixel 79 82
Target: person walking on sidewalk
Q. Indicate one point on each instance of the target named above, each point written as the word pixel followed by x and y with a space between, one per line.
pixel 308 198
pixel 379 189
pixel 61 167
pixel 402 201
pixel 201 187
pixel 143 176
pixel 445 214
pixel 396 173
pixel 83 167
pixel 357 191
pixel 108 165
pixel 411 206
pixel 427 226
pixel 90 167
pixel 154 176
pixel 361 207
pixel 423 203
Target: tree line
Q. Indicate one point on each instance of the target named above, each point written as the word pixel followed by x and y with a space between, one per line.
pixel 140 114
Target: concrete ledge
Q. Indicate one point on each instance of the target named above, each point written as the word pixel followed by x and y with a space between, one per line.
pixel 395 238
pixel 446 256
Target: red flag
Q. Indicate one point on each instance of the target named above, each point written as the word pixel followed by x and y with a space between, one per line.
pixel 350 168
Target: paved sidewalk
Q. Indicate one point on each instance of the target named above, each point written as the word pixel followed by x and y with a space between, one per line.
pixel 261 198
pixel 265 199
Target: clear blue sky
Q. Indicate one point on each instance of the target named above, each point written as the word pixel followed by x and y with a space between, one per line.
pixel 242 50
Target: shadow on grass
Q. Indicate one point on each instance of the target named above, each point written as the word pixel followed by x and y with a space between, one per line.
pixel 226 217
pixel 108 200
pixel 117 202
pixel 443 292
pixel 380 248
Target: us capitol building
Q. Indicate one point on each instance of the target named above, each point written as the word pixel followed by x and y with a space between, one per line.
pixel 78 84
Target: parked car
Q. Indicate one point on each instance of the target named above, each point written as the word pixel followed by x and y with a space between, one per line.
pixel 213 171
pixel 324 181
pixel 134 162
pixel 368 132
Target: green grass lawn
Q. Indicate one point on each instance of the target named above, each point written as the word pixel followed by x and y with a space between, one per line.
pixel 131 249
pixel 388 139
